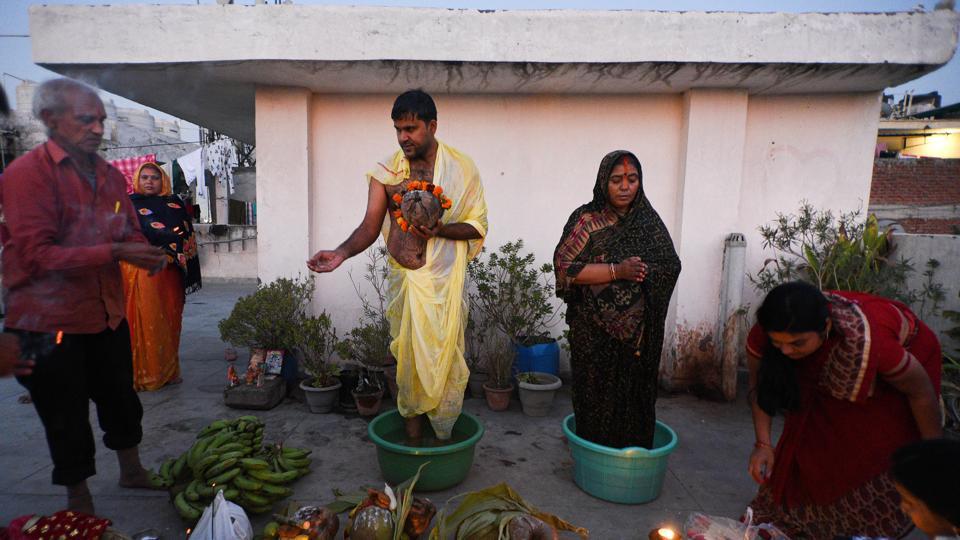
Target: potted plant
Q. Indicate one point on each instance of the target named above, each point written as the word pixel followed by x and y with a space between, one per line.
pixel 317 340
pixel 269 320
pixel 537 391
pixel 475 337
pixel 369 342
pixel 498 388
pixel 514 297
pixel 366 345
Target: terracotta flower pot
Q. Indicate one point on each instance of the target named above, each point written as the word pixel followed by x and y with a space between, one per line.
pixel 498 399
pixel 476 382
pixel 368 403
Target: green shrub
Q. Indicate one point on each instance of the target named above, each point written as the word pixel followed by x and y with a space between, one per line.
pixel 270 318
pixel 512 295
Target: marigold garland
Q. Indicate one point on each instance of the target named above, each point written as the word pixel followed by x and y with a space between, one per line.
pixel 418 185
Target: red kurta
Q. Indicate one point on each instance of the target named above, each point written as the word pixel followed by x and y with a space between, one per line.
pixel 57 262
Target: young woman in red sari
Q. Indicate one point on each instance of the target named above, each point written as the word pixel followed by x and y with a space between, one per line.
pixel 857 377
pixel 155 303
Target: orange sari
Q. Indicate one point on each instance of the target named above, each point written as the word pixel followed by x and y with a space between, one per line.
pixel 154 304
pixel 155 316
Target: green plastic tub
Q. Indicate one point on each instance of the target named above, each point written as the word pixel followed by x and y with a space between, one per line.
pixel 449 464
pixel 630 475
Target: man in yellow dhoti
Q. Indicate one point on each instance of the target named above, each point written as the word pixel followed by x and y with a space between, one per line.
pixel 427 306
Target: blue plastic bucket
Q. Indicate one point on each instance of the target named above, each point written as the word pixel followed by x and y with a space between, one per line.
pixel 630 475
pixel 544 358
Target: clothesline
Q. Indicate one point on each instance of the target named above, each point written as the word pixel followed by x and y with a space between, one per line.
pixel 155 144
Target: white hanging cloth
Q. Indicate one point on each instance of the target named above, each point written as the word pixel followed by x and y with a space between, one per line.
pixel 192 165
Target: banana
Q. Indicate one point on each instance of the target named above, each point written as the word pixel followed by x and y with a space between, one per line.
pixel 254 499
pixel 187 511
pixel 232 455
pixel 165 469
pixel 232 447
pixel 220 439
pixel 274 477
pixel 191 491
pixel 250 418
pixel 295 453
pixel 296 463
pixel 258 509
pixel 220 468
pixel 201 467
pixel 178 466
pixel 241 426
pixel 254 464
pixel 213 427
pixel 232 495
pixel 206 491
pixel 277 492
pixel 246 437
pixel 247 484
pixel 224 477
pixel 193 454
pixel 303 472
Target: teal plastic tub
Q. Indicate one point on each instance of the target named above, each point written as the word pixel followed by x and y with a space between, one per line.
pixel 449 464
pixel 630 475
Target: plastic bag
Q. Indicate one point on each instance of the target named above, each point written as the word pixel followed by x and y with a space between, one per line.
pixel 704 527
pixel 222 520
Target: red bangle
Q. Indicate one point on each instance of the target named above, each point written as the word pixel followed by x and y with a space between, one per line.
pixel 759 444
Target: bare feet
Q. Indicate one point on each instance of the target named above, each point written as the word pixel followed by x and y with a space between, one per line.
pixel 132 473
pixel 79 498
pixel 414 429
pixel 143 479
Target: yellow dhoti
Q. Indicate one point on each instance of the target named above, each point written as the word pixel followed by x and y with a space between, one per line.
pixel 428 307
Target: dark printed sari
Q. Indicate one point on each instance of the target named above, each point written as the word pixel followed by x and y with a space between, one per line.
pixel 616 329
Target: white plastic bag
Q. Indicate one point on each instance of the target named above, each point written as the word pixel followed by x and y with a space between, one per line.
pixel 222 520
pixel 704 527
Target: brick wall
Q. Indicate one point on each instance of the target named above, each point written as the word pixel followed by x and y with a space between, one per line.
pixel 918 183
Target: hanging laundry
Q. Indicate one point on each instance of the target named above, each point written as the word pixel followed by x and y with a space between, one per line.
pixel 192 165
pixel 221 158
pixel 128 166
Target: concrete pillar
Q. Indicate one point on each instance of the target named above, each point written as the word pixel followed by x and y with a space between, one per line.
pixel 714 134
pixel 283 178
pixel 222 200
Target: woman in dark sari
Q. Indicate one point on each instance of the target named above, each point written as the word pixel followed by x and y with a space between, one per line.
pixel 616 268
pixel 155 303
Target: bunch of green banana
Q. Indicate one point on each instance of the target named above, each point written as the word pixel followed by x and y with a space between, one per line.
pixel 229 456
pixel 264 476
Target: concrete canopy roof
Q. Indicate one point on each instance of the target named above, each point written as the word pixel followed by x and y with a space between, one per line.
pixel 203 63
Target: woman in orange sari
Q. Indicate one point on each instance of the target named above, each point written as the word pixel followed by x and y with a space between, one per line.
pixel 155 303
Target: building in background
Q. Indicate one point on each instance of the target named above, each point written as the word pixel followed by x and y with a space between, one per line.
pixel 734 116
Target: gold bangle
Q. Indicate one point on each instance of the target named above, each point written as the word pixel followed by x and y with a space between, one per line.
pixel 613 273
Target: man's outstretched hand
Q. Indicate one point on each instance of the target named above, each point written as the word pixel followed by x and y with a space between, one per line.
pixel 326 261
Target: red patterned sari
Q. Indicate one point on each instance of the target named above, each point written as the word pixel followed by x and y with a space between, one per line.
pixel 830 469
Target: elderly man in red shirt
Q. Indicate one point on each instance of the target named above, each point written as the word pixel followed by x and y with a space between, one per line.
pixel 68 222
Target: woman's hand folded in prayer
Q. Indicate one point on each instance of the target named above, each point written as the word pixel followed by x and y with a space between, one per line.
pixel 632 269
